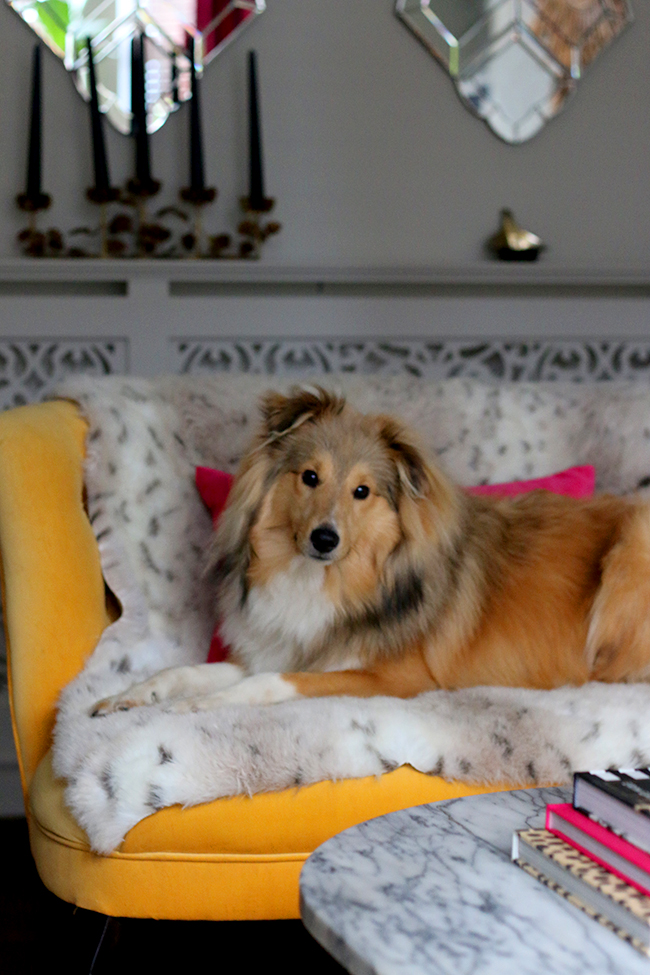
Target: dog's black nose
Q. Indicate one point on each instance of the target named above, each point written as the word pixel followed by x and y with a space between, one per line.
pixel 324 539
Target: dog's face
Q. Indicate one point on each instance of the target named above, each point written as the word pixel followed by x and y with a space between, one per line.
pixel 330 500
pixel 325 484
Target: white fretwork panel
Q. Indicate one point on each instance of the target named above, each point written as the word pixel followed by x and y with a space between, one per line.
pixel 444 359
pixel 30 368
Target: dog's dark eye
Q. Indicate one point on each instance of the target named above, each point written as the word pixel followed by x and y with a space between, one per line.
pixel 310 478
pixel 361 492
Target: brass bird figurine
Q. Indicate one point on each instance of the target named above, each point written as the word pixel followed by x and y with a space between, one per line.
pixel 512 243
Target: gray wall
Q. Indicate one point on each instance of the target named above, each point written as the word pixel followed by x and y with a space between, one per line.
pixel 369 152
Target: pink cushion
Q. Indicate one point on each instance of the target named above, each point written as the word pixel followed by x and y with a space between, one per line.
pixel 576 482
pixel 214 488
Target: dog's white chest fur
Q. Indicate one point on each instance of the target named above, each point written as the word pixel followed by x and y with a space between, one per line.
pixel 281 618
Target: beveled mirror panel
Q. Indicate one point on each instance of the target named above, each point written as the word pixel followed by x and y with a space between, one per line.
pixel 515 62
pixel 65 25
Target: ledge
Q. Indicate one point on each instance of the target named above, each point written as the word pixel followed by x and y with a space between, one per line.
pixel 487 276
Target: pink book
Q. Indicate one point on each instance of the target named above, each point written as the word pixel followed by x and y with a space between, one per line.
pixel 601 844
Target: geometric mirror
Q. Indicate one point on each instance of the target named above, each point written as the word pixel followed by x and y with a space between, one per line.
pixel 515 62
pixel 167 27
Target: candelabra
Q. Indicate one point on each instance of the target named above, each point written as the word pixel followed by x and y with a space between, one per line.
pixel 125 228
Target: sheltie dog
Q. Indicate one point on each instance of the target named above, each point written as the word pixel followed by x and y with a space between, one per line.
pixel 346 562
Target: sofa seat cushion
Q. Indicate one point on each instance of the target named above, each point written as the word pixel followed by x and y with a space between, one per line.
pixel 234 858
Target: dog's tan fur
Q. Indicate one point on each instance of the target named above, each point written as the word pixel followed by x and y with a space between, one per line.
pixel 428 587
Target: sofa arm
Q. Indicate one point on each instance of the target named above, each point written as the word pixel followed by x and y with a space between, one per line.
pixel 53 591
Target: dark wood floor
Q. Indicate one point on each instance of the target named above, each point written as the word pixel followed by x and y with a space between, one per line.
pixel 39 933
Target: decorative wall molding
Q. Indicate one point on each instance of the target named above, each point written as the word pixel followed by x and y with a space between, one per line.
pixel 31 368
pixel 487 360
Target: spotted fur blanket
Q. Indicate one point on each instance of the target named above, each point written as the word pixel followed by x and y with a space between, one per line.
pixel 146 437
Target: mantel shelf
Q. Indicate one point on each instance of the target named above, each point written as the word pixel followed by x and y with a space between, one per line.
pixel 487 275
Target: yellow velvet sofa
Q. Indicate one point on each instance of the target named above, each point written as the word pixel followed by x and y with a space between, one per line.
pixel 234 858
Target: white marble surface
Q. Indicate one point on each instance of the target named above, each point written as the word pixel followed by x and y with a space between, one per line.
pixel 432 889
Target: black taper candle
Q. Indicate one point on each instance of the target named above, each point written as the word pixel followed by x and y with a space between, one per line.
pixel 139 112
pixel 33 199
pixel 102 182
pixel 197 177
pixel 256 200
pixel 33 191
pixel 174 79
pixel 197 192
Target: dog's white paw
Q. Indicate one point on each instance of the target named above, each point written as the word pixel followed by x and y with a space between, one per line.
pixel 121 702
pixel 258 689
pixel 175 684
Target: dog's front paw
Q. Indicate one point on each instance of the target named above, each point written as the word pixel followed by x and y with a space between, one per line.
pixel 136 696
pixel 120 702
pixel 259 689
pixel 174 686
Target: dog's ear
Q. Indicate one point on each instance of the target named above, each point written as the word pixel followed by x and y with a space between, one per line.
pixel 281 414
pixel 427 500
pixel 413 471
pixel 229 553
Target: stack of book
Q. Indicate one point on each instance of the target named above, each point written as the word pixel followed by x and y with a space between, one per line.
pixel 595 852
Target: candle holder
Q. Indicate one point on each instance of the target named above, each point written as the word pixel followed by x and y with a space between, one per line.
pixel 172 233
pixel 148 235
pixel 254 232
pixel 198 198
pixel 102 197
pixel 34 242
pixel 124 234
pixel 33 204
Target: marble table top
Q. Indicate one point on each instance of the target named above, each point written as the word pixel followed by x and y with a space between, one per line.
pixel 432 889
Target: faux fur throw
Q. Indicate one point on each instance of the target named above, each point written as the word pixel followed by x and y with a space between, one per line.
pixel 145 439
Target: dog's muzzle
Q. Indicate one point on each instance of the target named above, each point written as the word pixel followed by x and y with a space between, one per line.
pixel 324 540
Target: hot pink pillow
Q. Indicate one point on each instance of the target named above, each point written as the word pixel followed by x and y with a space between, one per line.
pixel 214 488
pixel 576 482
